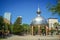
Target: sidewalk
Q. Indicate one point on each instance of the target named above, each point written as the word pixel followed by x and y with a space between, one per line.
pixel 37 37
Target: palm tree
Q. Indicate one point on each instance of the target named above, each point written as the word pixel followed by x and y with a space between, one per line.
pixel 55 9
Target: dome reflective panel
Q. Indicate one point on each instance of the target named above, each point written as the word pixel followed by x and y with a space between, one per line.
pixel 38 20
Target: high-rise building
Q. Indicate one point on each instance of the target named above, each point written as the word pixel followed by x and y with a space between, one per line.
pixel 20 19
pixel 51 22
pixel 7 16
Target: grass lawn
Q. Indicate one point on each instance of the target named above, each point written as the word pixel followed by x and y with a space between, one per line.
pixel 1 38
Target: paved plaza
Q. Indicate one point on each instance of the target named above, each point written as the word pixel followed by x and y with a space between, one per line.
pixel 36 37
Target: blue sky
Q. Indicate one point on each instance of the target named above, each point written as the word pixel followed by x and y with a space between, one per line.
pixel 26 8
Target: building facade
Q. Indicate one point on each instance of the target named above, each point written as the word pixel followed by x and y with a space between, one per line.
pixel 51 22
pixel 7 17
pixel 20 17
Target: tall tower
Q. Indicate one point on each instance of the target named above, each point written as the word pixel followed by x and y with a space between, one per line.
pixel 20 17
pixel 7 16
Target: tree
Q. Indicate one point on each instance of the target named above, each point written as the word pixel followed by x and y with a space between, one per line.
pixel 56 26
pixel 1 22
pixel 11 28
pixel 55 9
pixel 26 28
pixel 43 28
pixel 4 27
pixel 18 28
pixel 18 21
pixel 1 25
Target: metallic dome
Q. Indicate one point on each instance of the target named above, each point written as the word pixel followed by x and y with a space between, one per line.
pixel 39 20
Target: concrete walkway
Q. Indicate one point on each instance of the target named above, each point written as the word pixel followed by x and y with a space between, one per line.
pixel 29 37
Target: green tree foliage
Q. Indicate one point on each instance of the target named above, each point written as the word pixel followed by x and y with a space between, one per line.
pixel 56 24
pixel 26 28
pixel 55 9
pixel 43 28
pixel 4 27
pixel 17 29
pixel 18 21
pixel 1 22
pixel 11 28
